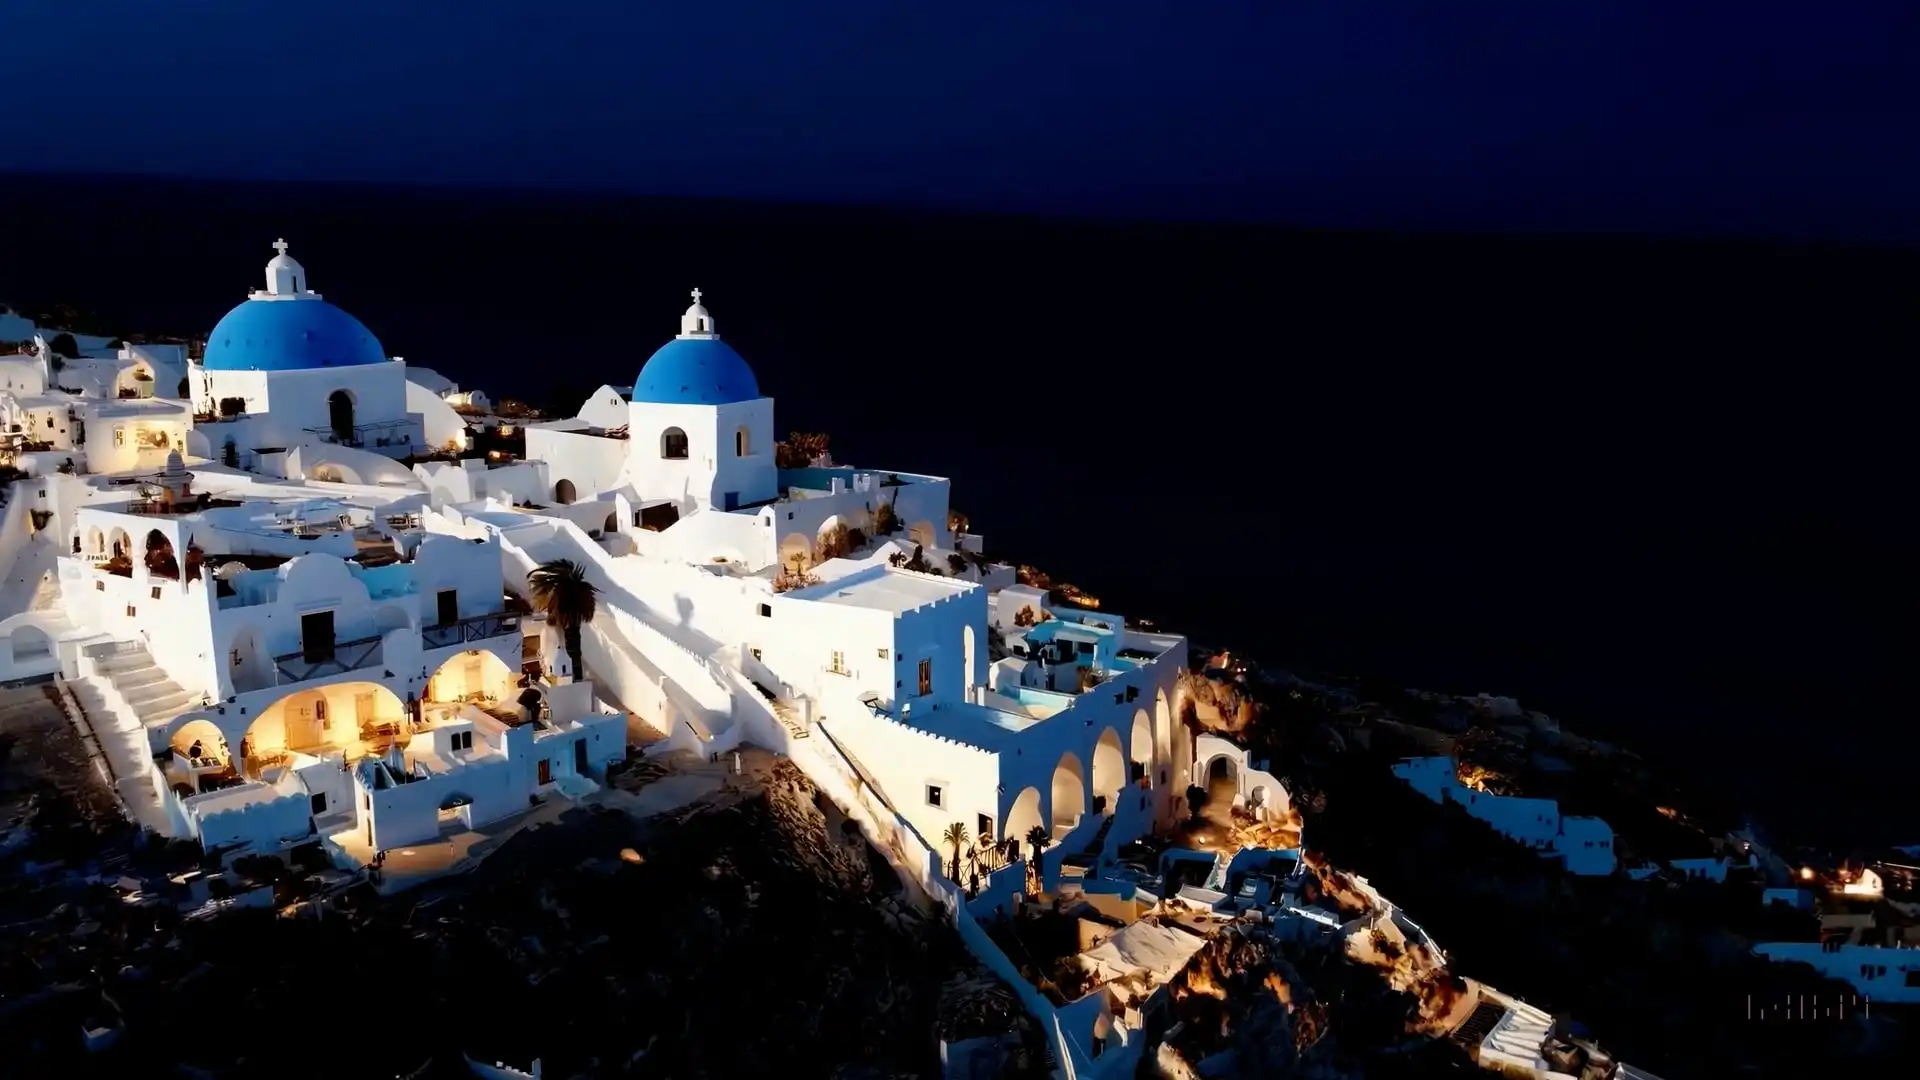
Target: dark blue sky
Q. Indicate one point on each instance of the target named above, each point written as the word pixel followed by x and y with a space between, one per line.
pixel 1797 119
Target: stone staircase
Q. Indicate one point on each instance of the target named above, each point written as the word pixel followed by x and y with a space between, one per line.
pixel 154 698
pixel 789 719
pixel 1098 844
pixel 129 755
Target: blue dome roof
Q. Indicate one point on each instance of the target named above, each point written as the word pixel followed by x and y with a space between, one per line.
pixel 290 335
pixel 696 371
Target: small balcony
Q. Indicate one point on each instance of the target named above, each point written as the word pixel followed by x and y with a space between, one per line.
pixel 345 656
pixel 471 629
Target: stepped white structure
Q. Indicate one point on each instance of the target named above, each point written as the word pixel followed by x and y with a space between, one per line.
pixel 283 633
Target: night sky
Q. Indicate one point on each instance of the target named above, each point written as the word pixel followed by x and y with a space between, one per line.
pixel 1793 120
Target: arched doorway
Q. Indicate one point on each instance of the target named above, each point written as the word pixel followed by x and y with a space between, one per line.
pixel 967 654
pixel 474 677
pixel 1142 743
pixel 1109 768
pixel 30 645
pixel 160 559
pixel 563 493
pixel 340 416
pixel 1069 793
pixel 673 444
pixel 796 555
pixel 1023 817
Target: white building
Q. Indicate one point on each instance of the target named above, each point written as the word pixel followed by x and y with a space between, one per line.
pixel 1888 974
pixel 287 368
pixel 1583 844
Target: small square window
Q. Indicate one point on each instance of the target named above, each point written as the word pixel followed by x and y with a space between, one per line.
pixel 130 611
pixel 319 803
pixel 99 586
pixel 935 796
pixel 766 611
pixel 756 654
pixel 883 654
pixel 156 592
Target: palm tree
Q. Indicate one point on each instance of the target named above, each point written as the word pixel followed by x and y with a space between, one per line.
pixel 563 594
pixel 1038 839
pixel 956 835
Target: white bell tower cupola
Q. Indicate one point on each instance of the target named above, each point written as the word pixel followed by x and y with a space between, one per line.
pixel 697 323
pixel 286 278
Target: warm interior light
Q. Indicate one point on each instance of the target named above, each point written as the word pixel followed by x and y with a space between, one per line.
pixel 1806 873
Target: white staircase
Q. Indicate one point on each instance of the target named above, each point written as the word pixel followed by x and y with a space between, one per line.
pixel 789 719
pixel 129 755
pixel 154 698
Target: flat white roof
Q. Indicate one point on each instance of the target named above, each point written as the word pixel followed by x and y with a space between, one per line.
pixel 975 725
pixel 883 588
pixel 238 797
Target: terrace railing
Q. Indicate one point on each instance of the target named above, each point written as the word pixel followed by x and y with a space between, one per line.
pixel 345 656
pixel 472 628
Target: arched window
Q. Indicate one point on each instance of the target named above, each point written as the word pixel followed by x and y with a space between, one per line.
pixel 673 444
pixel 742 443
pixel 563 493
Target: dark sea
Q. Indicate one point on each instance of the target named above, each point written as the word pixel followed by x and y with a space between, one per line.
pixel 1660 489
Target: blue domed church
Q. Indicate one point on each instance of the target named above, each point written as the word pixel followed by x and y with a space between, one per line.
pixel 699 431
pixel 286 368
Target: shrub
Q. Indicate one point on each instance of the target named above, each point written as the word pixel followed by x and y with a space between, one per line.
pixel 957 563
pixel 835 542
pixel 885 521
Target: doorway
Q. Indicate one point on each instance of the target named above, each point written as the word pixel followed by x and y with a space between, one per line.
pixel 580 757
pixel 449 601
pixel 546 771
pixel 340 416
pixel 316 636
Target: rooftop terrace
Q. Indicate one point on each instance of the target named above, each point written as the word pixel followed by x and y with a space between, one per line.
pixel 883 588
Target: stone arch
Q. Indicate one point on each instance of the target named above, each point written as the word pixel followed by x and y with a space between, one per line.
pixel 29 637
pixel 796 550
pixel 1163 728
pixel 357 719
pixel 1069 800
pixel 190 730
pixel 611 525
pixel 1109 767
pixel 1220 767
pixel 832 539
pixel 475 673
pixel 564 493
pixel 921 532
pixel 159 556
pixel 340 419
pixel 742 442
pixel 673 444
pixel 1141 744
pixel 1022 816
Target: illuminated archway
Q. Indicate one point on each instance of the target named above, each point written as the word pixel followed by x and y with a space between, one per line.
pixel 1142 743
pixel 834 540
pixel 474 677
pixel 204 734
pixel 1023 817
pixel 119 544
pixel 921 532
pixel 1109 767
pixel 796 554
pixel 1163 732
pixel 356 719
pixel 1069 793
